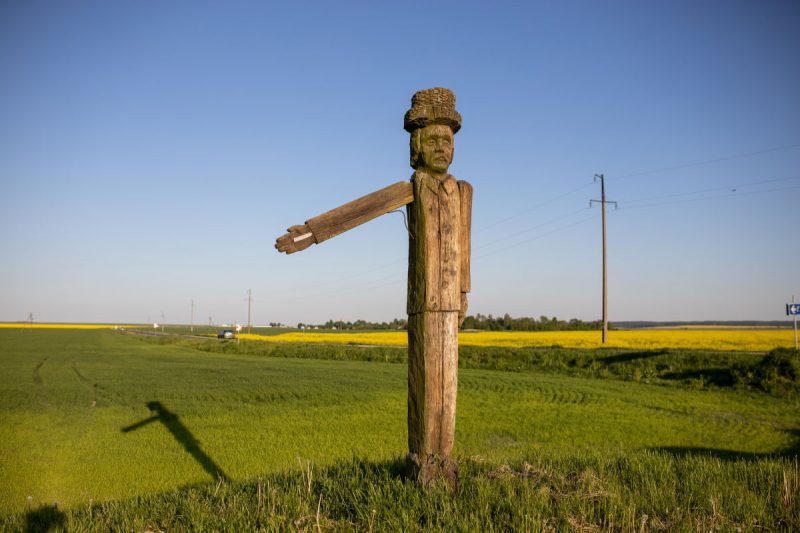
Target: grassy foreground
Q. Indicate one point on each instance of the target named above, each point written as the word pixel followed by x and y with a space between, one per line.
pixel 651 491
pixel 131 434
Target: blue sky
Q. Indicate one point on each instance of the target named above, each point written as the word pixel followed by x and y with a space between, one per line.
pixel 151 152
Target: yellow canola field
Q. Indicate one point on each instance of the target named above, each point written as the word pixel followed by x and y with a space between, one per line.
pixel 757 340
pixel 380 338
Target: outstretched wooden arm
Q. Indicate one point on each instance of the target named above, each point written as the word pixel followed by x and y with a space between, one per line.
pixel 345 217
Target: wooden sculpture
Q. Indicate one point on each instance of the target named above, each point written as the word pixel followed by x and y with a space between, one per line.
pixel 439 220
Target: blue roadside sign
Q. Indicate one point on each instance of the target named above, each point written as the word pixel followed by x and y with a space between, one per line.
pixel 793 309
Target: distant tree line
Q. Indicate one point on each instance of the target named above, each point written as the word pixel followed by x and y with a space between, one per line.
pixel 479 322
pixel 397 323
pixel 509 323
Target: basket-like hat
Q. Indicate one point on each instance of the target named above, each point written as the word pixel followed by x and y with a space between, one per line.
pixel 432 106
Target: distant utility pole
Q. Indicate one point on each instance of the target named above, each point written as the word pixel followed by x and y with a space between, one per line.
pixel 191 319
pixel 794 319
pixel 249 302
pixel 603 203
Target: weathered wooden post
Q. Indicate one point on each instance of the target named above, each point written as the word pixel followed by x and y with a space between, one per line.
pixel 440 214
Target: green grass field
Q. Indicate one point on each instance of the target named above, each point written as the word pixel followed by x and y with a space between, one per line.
pixel 134 433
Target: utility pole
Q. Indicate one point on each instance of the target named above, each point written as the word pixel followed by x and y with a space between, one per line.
pixel 794 319
pixel 603 203
pixel 191 319
pixel 249 302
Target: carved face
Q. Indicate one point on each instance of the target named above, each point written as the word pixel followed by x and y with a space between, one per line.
pixel 435 148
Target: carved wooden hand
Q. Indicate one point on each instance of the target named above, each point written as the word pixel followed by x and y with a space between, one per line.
pixel 299 238
pixel 327 225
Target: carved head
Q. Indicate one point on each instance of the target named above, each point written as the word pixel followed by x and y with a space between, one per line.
pixel 432 122
pixel 432 149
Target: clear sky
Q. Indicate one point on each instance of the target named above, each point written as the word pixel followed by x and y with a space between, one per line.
pixel 151 152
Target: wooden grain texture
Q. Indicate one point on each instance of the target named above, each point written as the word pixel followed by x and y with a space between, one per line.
pixel 432 382
pixel 359 211
pixel 434 249
pixel 465 233
pixel 434 303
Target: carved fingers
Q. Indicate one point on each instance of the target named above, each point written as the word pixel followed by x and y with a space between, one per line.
pixel 297 239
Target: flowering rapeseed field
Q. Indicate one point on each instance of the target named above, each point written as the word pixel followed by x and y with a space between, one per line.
pixel 737 339
pixel 695 339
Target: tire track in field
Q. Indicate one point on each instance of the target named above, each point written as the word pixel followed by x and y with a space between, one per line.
pixel 38 384
pixel 100 393
pixel 555 394
pixel 88 384
pixel 715 420
pixel 670 407
pixel 732 423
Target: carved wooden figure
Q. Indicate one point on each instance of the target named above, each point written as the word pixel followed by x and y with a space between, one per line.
pixel 440 213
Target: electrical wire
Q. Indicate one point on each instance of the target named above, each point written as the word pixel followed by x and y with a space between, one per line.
pixel 729 195
pixel 333 292
pixel 527 230
pixel 531 208
pixel 394 278
pixel 705 162
pixel 561 228
pixel 712 189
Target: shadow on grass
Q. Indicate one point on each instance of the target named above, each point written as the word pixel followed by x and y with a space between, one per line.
pixel 181 433
pixel 393 468
pixel 722 377
pixel 44 519
pixel 733 455
pixel 632 356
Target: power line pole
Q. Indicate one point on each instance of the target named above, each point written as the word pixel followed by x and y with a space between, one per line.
pixel 191 319
pixel 603 203
pixel 249 302
pixel 794 319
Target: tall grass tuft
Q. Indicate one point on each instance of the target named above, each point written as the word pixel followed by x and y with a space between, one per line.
pixel 650 490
